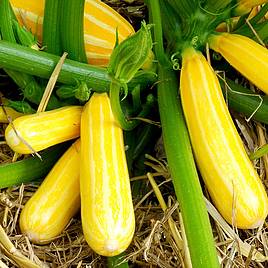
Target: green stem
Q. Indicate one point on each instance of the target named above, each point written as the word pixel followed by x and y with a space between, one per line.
pixel 182 166
pixel 72 29
pixel 145 138
pixel 155 15
pixel 184 175
pixel 30 169
pixel 42 64
pixel 136 98
pixel 125 123
pixel 171 25
pixel 51 27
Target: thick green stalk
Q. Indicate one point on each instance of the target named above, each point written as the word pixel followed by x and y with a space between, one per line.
pixel 51 27
pixel 171 25
pixel 72 29
pixel 30 169
pixel 183 172
pixel 42 64
pixel 181 164
pixel 154 15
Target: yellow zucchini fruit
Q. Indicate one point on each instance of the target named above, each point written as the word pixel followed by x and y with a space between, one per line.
pixel 100 24
pixel 8 113
pixel 56 201
pixel 106 203
pixel 42 130
pixel 245 6
pixel 229 175
pixel 245 55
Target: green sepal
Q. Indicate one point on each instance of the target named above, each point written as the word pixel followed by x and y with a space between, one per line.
pixel 82 93
pixel 130 55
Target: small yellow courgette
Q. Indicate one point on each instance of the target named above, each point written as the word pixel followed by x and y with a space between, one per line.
pixel 245 55
pixel 56 201
pixel 100 25
pixel 245 6
pixel 8 113
pixel 106 202
pixel 44 129
pixel 229 176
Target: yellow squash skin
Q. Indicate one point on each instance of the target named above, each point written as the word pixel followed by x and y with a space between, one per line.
pixel 44 129
pixel 106 203
pixel 56 201
pixel 229 176
pixel 245 6
pixel 245 55
pixel 7 113
pixel 100 24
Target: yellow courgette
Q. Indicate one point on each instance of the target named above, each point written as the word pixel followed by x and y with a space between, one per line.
pixel 106 203
pixel 245 55
pixel 229 176
pixel 245 6
pixel 56 201
pixel 100 25
pixel 42 130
